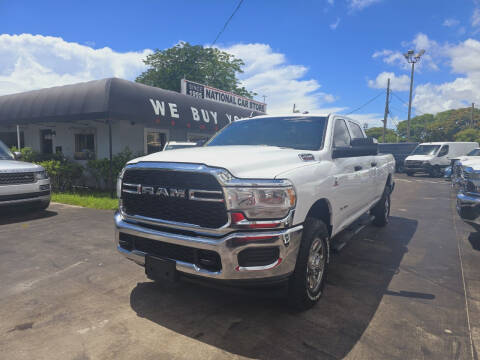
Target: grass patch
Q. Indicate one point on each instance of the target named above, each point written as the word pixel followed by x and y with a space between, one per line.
pixel 95 200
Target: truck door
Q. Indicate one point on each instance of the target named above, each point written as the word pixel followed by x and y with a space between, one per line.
pixel 349 172
pixel 369 179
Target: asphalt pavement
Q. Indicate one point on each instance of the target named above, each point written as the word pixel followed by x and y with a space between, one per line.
pixel 410 290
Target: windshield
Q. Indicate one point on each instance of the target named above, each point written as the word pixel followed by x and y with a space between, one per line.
pixel 305 133
pixel 5 153
pixel 474 152
pixel 425 150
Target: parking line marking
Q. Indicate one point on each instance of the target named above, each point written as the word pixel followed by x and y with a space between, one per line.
pixel 464 284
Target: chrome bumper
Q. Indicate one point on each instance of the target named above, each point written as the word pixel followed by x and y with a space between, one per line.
pixel 468 207
pixel 288 242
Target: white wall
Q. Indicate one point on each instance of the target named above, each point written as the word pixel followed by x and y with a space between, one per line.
pixel 124 134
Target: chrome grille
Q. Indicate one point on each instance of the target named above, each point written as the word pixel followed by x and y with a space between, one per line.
pixel 17 178
pixel 208 210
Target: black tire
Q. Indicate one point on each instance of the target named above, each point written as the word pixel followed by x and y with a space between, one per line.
pixel 436 172
pixel 301 296
pixel 409 173
pixel 381 211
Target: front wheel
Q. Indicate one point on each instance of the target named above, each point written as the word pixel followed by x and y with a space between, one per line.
pixel 308 279
pixel 381 211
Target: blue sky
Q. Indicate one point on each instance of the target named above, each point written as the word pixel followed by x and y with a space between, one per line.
pixel 324 55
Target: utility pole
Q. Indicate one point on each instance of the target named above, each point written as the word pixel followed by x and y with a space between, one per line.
pixel 412 58
pixel 472 124
pixel 385 115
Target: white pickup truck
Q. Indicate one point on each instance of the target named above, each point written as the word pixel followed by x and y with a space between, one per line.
pixel 259 204
pixel 22 182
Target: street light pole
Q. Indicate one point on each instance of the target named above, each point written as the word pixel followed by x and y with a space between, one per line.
pixel 412 58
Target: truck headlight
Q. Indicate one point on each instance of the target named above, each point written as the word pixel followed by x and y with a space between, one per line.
pixel 261 203
pixel 119 183
pixel 41 175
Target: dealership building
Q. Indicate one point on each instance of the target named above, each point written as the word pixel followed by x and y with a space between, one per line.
pixel 95 119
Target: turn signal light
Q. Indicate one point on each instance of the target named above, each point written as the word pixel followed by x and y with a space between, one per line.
pixel 240 220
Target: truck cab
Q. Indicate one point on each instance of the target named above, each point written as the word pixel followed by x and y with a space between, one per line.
pixel 434 157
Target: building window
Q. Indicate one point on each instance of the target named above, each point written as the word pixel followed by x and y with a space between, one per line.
pixel 84 146
pixel 154 140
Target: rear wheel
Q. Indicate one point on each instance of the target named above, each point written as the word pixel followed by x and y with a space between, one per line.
pixel 308 279
pixel 381 211
pixel 436 172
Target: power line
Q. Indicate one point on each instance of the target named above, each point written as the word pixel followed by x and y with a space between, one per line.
pixel 368 102
pixel 403 101
pixel 226 23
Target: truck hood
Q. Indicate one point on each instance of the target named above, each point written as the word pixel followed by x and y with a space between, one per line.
pixel 420 157
pixel 261 162
pixel 8 166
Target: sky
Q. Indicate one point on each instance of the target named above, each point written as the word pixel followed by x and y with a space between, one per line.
pixel 322 55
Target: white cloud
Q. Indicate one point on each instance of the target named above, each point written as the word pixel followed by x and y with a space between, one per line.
pixel 450 22
pixel 30 62
pixel 461 92
pixel 267 73
pixel 372 120
pixel 476 17
pixel 421 41
pixel 331 2
pixel 397 83
pixel 361 4
pixel 335 24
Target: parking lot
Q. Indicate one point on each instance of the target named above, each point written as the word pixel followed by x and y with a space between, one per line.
pixel 410 290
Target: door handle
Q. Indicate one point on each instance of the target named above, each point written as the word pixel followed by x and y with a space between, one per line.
pixel 373 164
pixel 357 168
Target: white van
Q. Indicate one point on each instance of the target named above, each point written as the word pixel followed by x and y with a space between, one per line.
pixel 433 157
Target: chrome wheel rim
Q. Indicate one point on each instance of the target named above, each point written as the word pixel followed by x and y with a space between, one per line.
pixel 315 266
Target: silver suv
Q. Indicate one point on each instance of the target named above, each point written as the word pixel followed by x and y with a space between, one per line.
pixel 22 182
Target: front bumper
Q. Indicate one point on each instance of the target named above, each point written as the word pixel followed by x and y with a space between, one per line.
pixel 468 207
pixel 288 242
pixel 25 193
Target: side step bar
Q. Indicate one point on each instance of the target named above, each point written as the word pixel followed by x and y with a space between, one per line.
pixel 339 241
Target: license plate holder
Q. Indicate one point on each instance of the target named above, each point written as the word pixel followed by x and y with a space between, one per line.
pixel 160 269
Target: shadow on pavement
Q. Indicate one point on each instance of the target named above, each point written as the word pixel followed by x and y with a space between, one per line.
pixel 263 328
pixel 20 214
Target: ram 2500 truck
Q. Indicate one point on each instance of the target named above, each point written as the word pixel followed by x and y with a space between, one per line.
pixel 258 204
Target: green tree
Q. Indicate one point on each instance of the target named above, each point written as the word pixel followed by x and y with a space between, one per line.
pixel 205 65
pixel 468 135
pixel 377 133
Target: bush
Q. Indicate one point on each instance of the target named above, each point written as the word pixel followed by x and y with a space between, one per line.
pixel 28 154
pixel 99 169
pixel 63 173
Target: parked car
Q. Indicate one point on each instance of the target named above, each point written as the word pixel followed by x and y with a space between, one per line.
pixel 468 186
pixel 400 151
pixel 172 145
pixel 22 182
pixel 434 157
pixel 259 204
pixel 455 164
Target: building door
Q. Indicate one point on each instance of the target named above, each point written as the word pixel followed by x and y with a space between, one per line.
pixel 155 140
pixel 46 141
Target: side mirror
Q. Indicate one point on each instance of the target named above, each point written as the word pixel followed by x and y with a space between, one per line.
pixel 358 147
pixel 17 155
